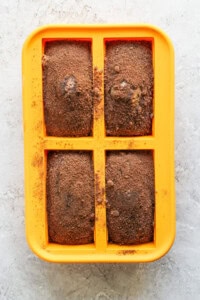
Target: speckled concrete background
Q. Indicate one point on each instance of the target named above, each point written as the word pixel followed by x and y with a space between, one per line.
pixel 177 275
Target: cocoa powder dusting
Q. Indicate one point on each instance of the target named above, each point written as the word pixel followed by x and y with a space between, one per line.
pixel 70 197
pixel 130 197
pixel 128 88
pixel 67 88
pixel 97 92
pixel 69 99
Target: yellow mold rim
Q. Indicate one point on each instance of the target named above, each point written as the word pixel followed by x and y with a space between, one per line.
pixel 37 144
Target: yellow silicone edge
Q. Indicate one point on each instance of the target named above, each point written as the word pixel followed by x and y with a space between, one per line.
pixel 37 144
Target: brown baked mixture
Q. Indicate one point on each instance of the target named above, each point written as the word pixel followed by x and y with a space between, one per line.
pixel 67 88
pixel 128 88
pixel 130 196
pixel 68 111
pixel 70 197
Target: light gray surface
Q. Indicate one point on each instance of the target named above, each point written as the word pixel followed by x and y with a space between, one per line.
pixel 177 275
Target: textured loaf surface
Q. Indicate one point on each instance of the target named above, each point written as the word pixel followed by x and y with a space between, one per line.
pixel 128 88
pixel 70 198
pixel 67 88
pixel 130 197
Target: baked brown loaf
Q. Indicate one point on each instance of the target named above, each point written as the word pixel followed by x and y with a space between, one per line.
pixel 128 88
pixel 67 88
pixel 130 197
pixel 70 197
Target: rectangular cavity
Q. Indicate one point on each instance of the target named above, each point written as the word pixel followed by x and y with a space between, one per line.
pixel 67 88
pixel 128 88
pixel 130 195
pixel 70 197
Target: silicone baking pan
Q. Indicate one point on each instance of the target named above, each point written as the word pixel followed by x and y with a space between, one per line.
pixel 38 144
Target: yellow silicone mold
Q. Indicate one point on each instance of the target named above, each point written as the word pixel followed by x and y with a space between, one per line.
pixel 37 144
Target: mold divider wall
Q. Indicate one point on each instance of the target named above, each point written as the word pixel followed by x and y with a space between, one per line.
pixel 99 152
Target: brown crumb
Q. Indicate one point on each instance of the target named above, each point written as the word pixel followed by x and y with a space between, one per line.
pixel 99 200
pixel 117 69
pixel 110 183
pixel 114 213
pixel 125 252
